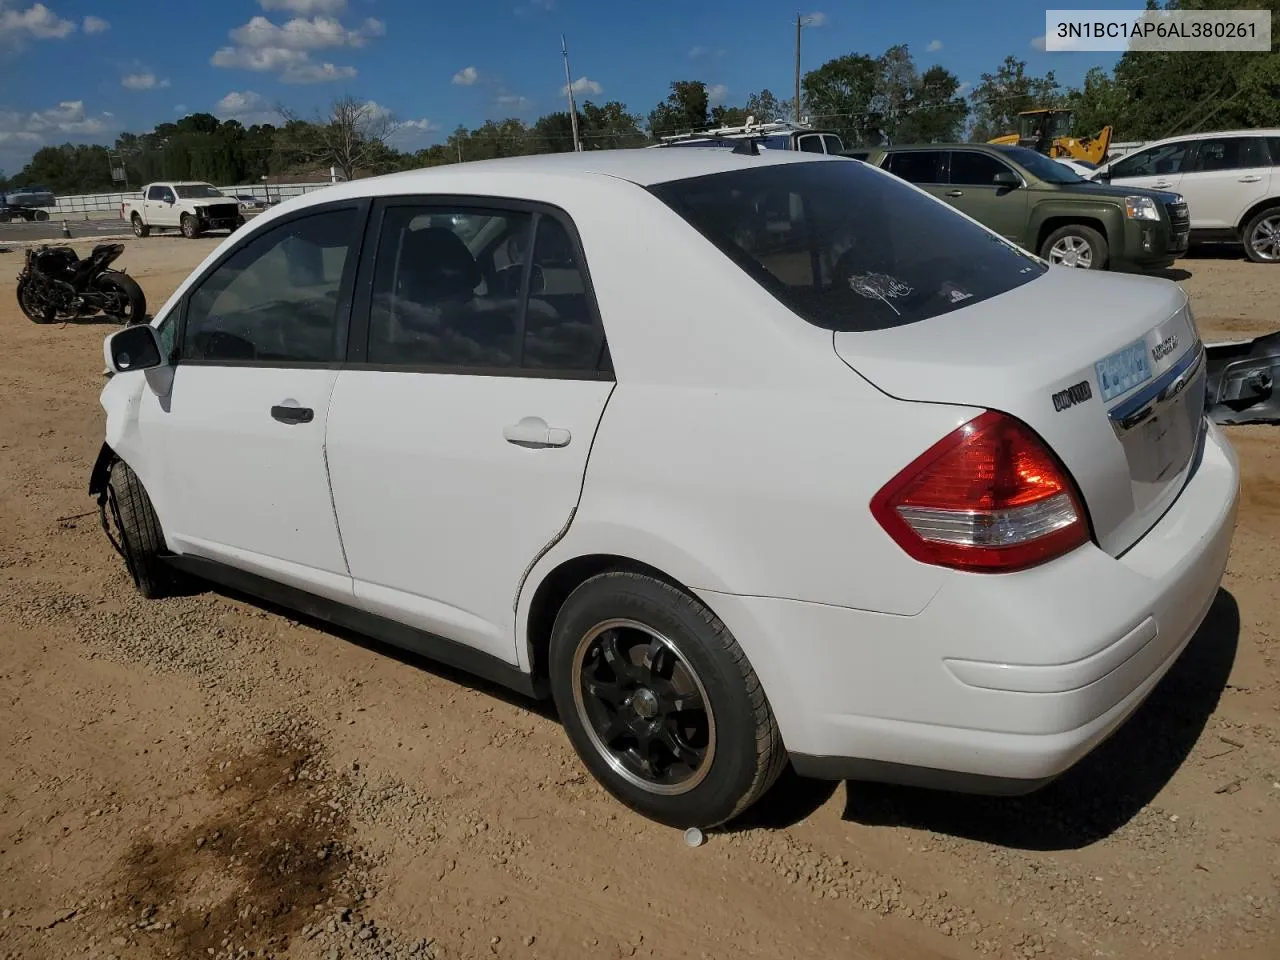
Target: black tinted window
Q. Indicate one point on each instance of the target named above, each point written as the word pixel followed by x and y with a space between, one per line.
pixel 276 298
pixel 1152 162
pixel 845 247
pixel 811 143
pixel 447 287
pixel 1230 153
pixel 832 143
pixel 560 329
pixel 1274 144
pixel 915 166
pixel 978 169
pixel 155 193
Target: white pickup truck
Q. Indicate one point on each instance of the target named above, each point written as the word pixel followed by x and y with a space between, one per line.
pixel 191 207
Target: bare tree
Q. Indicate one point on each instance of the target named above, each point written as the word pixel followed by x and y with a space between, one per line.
pixel 354 135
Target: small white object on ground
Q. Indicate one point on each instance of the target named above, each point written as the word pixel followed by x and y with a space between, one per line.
pixel 694 837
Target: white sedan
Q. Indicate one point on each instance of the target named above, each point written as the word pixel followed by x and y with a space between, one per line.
pixel 740 458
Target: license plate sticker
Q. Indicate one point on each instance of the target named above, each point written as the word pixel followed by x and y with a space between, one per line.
pixel 1123 370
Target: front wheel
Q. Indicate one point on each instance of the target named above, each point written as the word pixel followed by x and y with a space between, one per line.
pixel 32 306
pixel 141 539
pixel 1262 237
pixel 124 298
pixel 190 226
pixel 1075 245
pixel 660 702
pixel 140 229
pixel 42 215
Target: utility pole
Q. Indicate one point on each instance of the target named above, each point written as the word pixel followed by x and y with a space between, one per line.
pixel 568 86
pixel 797 68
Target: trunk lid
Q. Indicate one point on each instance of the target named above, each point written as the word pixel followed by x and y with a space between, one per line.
pixel 1107 368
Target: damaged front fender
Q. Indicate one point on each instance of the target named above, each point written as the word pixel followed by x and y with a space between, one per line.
pixel 1240 385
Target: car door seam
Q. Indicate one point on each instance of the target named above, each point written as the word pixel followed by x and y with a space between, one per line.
pixel 582 484
pixel 328 477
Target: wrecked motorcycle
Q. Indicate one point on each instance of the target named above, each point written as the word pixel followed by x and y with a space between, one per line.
pixel 56 284
pixel 1240 386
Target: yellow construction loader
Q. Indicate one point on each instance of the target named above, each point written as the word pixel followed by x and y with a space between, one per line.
pixel 1049 132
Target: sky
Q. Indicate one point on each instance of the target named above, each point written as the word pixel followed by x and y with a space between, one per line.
pixel 81 71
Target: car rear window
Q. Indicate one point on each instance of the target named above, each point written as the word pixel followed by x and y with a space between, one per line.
pixel 846 247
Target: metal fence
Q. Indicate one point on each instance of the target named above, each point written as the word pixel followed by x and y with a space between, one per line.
pixel 84 204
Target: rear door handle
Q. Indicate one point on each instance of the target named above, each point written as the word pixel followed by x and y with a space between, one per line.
pixel 534 433
pixel 955 193
pixel 288 413
pixel 1250 179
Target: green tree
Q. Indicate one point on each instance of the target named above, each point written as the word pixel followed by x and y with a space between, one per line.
pixel 684 110
pixel 838 95
pixel 1001 96
pixel 936 111
pixel 764 106
pixel 895 89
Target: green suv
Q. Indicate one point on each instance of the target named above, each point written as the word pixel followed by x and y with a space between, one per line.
pixel 1044 206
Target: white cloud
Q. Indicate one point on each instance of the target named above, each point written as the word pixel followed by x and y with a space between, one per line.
pixel 1038 42
pixel 285 49
pixel 934 46
pixel 699 52
pixel 37 22
pixel 815 19
pixel 246 108
pixel 19 136
pixel 307 8
pixel 466 76
pixel 513 100
pixel 716 93
pixel 94 24
pixel 583 85
pixel 69 116
pixel 424 125
pixel 180 108
pixel 143 81
pixel 963 89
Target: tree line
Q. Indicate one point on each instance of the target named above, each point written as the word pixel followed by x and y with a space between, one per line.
pixel 865 99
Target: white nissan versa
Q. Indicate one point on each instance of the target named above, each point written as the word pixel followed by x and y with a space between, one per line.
pixel 741 458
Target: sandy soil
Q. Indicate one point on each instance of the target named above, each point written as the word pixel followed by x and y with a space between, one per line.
pixel 203 777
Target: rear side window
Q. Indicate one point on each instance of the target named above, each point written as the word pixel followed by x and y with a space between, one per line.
pixel 1152 162
pixel 832 143
pixel 845 247
pixel 811 143
pixel 1230 153
pixel 916 166
pixel 975 169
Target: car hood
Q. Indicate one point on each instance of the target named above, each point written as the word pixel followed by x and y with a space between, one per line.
pixel 1093 189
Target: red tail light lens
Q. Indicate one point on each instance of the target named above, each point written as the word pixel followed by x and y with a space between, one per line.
pixel 990 496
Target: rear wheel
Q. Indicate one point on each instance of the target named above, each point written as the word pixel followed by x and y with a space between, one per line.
pixel 660 702
pixel 1262 237
pixel 140 229
pixel 126 299
pixel 190 226
pixel 42 215
pixel 141 538
pixel 1076 245
pixel 31 306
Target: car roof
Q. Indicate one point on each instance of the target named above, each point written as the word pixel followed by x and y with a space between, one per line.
pixel 1211 135
pixel 513 175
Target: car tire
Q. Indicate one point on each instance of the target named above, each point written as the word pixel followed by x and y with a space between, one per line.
pixel 140 229
pixel 41 215
pixel 1076 245
pixel 695 708
pixel 1266 220
pixel 190 226
pixel 141 539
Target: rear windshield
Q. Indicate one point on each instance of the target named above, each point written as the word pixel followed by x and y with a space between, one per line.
pixel 848 247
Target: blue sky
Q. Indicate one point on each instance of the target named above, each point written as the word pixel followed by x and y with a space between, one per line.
pixel 83 70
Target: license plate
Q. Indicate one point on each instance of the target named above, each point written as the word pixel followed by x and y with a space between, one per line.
pixel 1123 370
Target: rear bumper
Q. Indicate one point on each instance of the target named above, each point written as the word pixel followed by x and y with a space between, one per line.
pixel 1002 682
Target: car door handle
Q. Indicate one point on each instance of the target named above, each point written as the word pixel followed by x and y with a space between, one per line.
pixel 288 413
pixel 1161 183
pixel 534 433
pixel 1250 179
pixel 955 193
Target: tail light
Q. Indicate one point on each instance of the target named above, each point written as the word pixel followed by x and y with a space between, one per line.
pixel 990 496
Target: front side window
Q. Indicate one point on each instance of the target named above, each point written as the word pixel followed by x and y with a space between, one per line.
pixel 847 248
pixel 156 193
pixel 976 169
pixel 1046 168
pixel 832 143
pixel 1229 153
pixel 1152 162
pixel 275 299
pixel 915 166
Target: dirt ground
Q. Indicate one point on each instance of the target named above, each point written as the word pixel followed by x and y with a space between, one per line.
pixel 203 777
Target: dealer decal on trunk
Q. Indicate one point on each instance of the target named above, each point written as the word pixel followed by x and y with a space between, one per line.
pixel 1076 393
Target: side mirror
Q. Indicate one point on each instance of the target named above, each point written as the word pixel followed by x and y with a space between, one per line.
pixel 1006 178
pixel 133 348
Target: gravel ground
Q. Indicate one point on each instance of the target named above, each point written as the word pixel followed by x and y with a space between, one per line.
pixel 206 777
